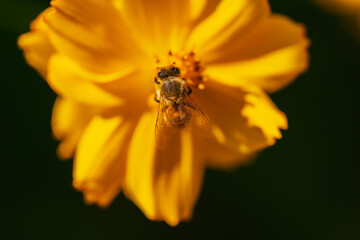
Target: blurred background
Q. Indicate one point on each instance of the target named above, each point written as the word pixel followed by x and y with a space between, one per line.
pixel 305 187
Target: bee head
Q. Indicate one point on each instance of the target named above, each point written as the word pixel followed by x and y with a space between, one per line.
pixel 169 71
pixel 163 73
pixel 174 71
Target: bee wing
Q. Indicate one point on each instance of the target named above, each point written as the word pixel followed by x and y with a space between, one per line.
pixel 163 129
pixel 197 120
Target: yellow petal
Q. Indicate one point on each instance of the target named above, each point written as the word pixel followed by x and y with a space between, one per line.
pixel 93 34
pixel 340 6
pixel 219 155
pixel 64 78
pixel 99 164
pixel 68 122
pixel 139 165
pixel 165 184
pixel 161 25
pixel 259 107
pixel 196 8
pixel 270 57
pixel 230 17
pixel 243 119
pixel 36 45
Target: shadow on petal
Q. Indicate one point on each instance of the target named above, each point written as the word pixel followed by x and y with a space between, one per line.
pixel 165 184
pixel 100 160
pixel 245 120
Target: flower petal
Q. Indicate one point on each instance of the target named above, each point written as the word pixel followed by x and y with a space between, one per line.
pixel 68 122
pixel 229 18
pixel 164 183
pixel 36 45
pixel 245 120
pixel 65 78
pixel 270 57
pixel 221 156
pixel 340 6
pixel 161 25
pixel 93 34
pixel 259 107
pixel 99 164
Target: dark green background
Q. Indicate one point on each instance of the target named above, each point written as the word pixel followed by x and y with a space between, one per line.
pixel 305 187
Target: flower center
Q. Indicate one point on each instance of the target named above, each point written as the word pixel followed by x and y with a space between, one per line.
pixel 190 67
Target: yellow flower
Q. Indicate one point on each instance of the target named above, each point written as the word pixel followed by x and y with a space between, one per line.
pixel 341 5
pixel 345 7
pixel 101 58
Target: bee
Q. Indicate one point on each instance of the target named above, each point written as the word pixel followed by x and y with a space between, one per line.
pixel 176 108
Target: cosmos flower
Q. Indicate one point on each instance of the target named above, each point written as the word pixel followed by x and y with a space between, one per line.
pixel 101 58
pixel 341 5
pixel 350 8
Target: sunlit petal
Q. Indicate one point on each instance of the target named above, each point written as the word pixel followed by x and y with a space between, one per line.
pixel 270 57
pixel 230 17
pixel 64 79
pixel 171 21
pixel 91 33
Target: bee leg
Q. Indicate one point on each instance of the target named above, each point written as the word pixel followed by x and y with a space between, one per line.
pixel 189 91
pixel 156 99
pixel 156 81
pixel 190 106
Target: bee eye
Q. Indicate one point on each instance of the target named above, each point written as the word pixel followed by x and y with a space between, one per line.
pixel 175 71
pixel 163 73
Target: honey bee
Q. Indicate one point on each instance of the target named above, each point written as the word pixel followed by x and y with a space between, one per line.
pixel 176 109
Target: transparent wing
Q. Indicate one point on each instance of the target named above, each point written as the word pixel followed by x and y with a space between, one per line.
pixel 164 131
pixel 197 120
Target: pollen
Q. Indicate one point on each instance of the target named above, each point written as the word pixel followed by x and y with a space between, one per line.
pixel 190 67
